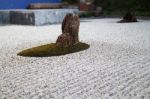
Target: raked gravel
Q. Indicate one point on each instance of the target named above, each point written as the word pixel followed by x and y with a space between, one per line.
pixel 116 66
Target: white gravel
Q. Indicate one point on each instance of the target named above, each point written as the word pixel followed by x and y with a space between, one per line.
pixel 116 66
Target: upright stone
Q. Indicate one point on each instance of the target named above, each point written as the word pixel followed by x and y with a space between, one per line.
pixel 70 31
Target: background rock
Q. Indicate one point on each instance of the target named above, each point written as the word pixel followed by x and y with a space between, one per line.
pixel 129 18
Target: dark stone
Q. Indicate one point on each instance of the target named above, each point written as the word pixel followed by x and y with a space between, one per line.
pixel 128 18
pixel 70 30
pixel 23 18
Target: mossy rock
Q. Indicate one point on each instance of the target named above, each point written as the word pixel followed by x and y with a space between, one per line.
pixel 53 50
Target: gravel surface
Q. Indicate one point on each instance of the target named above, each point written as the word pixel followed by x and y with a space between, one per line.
pixel 116 66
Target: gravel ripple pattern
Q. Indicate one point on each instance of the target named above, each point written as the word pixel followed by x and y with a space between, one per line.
pixel 116 66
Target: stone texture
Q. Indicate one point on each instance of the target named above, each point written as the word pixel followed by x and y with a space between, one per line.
pixel 52 16
pixel 34 17
pixel 64 40
pixel 4 17
pixel 129 18
pixel 18 17
pixel 70 30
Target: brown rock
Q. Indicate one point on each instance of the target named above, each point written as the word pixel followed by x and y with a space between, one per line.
pixel 70 30
pixel 64 40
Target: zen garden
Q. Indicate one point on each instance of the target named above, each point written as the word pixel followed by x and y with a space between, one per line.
pixel 75 49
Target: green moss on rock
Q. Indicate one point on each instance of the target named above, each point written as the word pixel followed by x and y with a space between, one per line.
pixel 52 50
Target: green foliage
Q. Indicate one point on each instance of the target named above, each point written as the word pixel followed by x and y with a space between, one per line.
pixel 124 5
pixel 85 14
pixel 103 3
pixel 52 50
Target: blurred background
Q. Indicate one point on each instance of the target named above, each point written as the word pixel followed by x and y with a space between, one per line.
pixel 89 7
